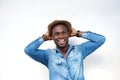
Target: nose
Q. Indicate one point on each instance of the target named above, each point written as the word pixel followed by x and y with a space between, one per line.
pixel 61 36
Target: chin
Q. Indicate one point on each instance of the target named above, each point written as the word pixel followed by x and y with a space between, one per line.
pixel 62 46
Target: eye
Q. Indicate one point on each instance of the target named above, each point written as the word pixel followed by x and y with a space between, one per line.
pixel 59 33
pixel 56 34
pixel 64 33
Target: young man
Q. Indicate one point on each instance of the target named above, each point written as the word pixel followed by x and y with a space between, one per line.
pixel 65 62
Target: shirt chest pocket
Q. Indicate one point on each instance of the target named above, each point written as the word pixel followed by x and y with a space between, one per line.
pixel 74 59
pixel 59 64
pixel 55 62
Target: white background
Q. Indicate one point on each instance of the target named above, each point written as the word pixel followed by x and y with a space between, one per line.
pixel 22 21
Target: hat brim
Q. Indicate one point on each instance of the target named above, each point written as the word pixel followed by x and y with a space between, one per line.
pixel 56 22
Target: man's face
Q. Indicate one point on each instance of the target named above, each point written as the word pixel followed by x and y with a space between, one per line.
pixel 60 36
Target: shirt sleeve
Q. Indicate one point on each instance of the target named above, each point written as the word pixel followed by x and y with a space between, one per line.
pixel 35 53
pixel 94 41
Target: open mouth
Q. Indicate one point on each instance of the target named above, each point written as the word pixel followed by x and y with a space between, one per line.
pixel 61 41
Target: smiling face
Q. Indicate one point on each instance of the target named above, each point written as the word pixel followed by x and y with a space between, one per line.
pixel 60 36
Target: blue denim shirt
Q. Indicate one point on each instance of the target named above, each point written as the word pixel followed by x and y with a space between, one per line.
pixel 71 67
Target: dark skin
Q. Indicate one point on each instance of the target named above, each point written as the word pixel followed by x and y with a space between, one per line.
pixel 60 36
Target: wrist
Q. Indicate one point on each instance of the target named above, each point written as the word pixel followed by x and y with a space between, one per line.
pixel 44 37
pixel 79 33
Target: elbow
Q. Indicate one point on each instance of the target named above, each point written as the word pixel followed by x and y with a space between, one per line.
pixel 29 51
pixel 102 40
pixel 26 50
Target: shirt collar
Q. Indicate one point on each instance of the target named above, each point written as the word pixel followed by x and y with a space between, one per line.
pixel 69 49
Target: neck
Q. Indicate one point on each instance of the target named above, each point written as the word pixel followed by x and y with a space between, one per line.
pixel 63 50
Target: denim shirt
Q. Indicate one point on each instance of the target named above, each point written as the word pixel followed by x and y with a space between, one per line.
pixel 71 67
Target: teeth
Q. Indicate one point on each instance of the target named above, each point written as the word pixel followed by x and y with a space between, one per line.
pixel 61 40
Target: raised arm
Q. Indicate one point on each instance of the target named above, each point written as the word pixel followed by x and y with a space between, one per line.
pixel 94 41
pixel 37 54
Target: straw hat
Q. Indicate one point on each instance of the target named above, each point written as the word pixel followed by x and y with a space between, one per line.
pixel 56 22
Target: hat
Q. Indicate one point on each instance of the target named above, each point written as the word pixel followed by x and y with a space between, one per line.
pixel 56 22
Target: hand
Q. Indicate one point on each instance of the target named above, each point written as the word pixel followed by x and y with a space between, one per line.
pixel 46 36
pixel 73 33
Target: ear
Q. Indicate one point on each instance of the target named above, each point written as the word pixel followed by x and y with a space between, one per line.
pixel 52 37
